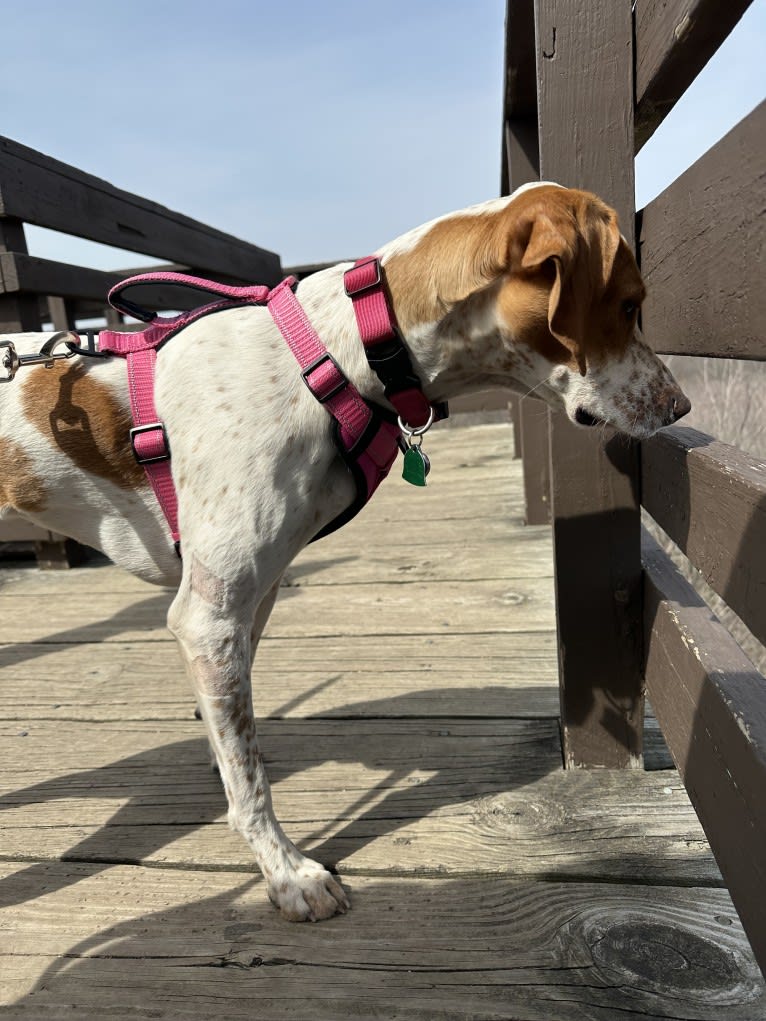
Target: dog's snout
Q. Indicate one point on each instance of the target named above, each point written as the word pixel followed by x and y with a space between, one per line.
pixel 679 406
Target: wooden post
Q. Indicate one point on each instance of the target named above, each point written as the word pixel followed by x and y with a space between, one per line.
pixel 521 164
pixel 18 312
pixel 585 104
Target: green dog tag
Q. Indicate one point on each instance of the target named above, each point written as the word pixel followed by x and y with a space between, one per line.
pixel 416 467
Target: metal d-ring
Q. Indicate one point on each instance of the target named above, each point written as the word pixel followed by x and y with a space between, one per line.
pixel 420 430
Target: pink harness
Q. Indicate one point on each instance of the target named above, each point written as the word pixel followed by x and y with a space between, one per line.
pixel 367 436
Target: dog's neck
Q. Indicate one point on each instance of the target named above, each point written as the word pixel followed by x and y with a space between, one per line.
pixel 447 315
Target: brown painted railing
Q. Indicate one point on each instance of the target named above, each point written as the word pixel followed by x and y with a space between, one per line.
pixel 628 621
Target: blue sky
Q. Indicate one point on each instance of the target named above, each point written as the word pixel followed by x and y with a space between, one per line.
pixel 317 130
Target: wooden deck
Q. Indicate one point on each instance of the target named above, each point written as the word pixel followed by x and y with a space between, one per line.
pixel 414 745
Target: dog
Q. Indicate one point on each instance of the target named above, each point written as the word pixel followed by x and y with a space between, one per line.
pixel 534 292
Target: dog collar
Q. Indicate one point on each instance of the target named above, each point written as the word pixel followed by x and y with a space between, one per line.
pixel 384 346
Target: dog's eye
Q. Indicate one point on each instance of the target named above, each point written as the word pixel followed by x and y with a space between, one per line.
pixel 629 309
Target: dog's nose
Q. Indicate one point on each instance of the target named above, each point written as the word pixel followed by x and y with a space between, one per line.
pixel 680 406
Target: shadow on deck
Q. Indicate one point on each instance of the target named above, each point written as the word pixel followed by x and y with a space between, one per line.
pixel 408 703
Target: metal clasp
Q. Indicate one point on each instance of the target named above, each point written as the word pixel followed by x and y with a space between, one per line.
pixel 12 361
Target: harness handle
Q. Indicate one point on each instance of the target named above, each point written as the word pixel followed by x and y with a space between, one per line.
pixel 176 291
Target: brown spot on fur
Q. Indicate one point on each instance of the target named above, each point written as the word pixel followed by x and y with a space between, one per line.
pixel 20 488
pixel 82 417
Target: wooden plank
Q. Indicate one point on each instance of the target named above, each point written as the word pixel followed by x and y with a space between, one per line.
pixel 710 498
pixel 467 797
pixel 709 700
pixel 490 675
pixel 535 451
pixel 674 41
pixel 585 78
pixel 206 947
pixel 506 606
pixel 40 190
pixel 28 273
pixel 701 251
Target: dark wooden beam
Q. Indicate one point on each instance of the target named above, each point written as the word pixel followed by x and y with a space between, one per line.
pixel 520 156
pixel 585 81
pixel 37 189
pixel 674 41
pixel 708 698
pixel 535 440
pixel 22 273
pixel 710 498
pixel 701 251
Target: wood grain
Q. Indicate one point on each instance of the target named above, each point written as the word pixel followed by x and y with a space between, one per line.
pixel 463 796
pixel 411 949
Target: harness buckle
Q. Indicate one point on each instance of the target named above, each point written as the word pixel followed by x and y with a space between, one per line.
pixel 147 457
pixel 355 289
pixel 305 373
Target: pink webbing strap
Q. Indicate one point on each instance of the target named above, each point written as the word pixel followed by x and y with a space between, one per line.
pixel 321 373
pixel 377 327
pixel 148 437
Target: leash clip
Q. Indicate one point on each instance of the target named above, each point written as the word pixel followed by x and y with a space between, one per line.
pixel 12 361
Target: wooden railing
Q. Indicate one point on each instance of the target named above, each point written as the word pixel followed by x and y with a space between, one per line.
pixel 35 189
pixel 576 113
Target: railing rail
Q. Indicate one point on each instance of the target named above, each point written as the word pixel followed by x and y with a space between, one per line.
pixel 36 189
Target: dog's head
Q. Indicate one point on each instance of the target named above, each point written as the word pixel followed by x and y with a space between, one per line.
pixel 540 291
pixel 571 293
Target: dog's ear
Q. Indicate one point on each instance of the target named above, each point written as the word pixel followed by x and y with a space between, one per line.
pixel 576 244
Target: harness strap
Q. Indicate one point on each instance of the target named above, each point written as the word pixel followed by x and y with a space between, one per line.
pixel 367 437
pixel 383 343
pixel 148 437
pixel 321 373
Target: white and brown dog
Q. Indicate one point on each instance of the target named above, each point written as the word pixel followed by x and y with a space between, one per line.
pixel 537 291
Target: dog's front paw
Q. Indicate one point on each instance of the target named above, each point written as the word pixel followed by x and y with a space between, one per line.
pixel 309 894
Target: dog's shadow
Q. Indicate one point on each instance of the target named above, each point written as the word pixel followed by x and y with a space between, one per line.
pixel 424 765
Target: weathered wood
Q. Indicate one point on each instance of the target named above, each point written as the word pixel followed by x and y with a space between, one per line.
pixel 37 189
pixel 467 796
pixel 18 313
pixel 488 675
pixel 674 41
pixel 585 73
pixel 205 946
pixel 535 451
pixel 710 498
pixel 701 251
pixel 709 701
pixel 525 604
pixel 20 272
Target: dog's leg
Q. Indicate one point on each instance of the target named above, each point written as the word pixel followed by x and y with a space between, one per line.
pixel 212 620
